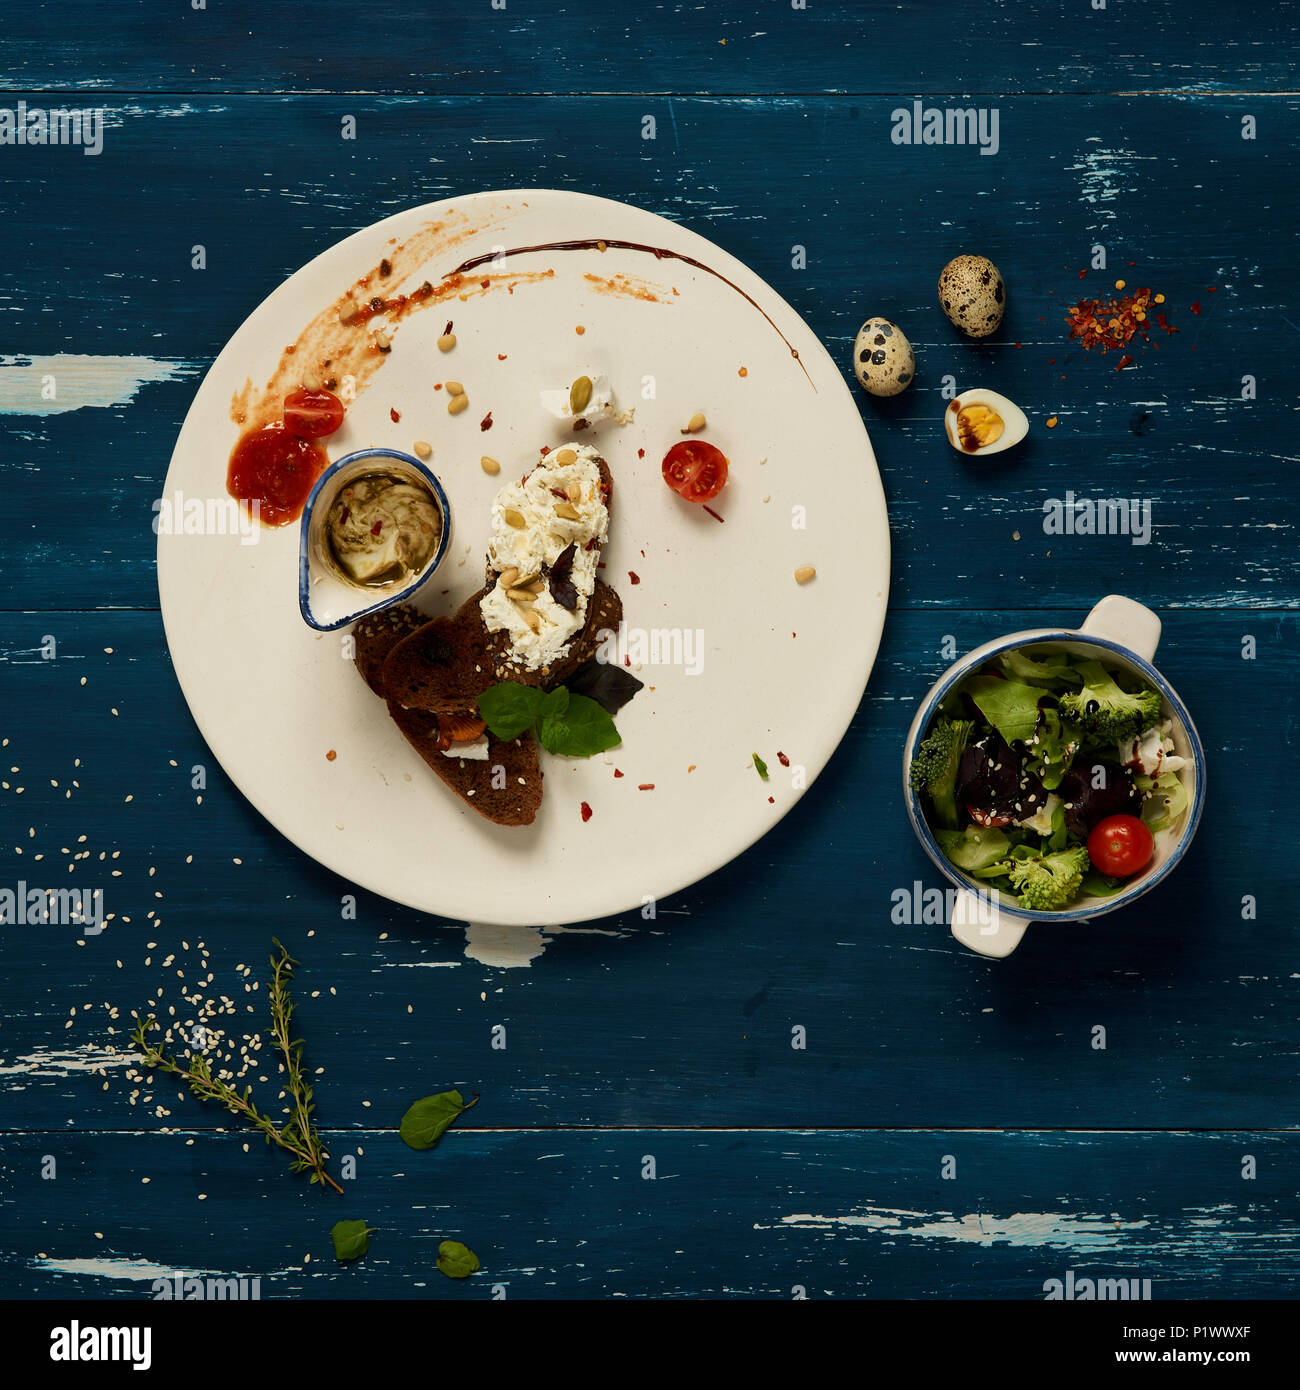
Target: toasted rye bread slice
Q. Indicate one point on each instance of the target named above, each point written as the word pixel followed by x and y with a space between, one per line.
pixel 513 803
pixel 377 635
pixel 444 665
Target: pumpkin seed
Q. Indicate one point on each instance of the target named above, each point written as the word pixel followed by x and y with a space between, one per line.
pixel 580 395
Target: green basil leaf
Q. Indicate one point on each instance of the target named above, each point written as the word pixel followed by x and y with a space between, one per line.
pixel 427 1120
pixel 351 1239
pixel 583 728
pixel 760 767
pixel 556 703
pixel 455 1260
pixel 510 708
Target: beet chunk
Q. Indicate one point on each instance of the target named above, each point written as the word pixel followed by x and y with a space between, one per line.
pixel 1086 804
pixel 993 780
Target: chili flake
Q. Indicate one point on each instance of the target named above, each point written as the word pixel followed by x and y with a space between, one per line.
pixel 1114 323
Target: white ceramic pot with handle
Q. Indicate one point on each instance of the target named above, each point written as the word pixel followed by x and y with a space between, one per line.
pixel 1120 633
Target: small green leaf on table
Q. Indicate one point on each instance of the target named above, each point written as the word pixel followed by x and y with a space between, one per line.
pixel 351 1239
pixel 427 1120
pixel 455 1260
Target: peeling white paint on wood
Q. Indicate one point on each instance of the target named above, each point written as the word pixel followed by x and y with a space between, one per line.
pixel 64 1061
pixel 508 948
pixel 1022 1228
pixel 112 1268
pixel 75 381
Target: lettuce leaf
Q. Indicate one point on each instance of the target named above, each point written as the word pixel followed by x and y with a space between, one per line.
pixel 974 849
pixel 1051 670
pixel 1165 800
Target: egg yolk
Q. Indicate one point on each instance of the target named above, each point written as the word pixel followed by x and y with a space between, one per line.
pixel 978 426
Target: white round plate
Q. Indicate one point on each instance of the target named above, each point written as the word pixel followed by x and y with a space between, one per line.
pixel 779 668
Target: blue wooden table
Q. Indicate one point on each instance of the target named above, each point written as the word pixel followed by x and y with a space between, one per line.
pixel 953 1127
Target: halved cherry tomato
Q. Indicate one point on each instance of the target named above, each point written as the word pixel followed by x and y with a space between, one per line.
pixel 312 414
pixel 695 470
pixel 1121 845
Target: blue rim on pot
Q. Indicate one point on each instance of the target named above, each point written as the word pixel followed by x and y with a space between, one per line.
pixel 328 611
pixel 971 918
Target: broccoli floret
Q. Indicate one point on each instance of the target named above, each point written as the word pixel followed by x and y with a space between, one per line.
pixel 1107 713
pixel 936 763
pixel 1047 884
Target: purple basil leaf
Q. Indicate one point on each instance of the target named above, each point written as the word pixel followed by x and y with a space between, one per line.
pixel 610 686
pixel 561 579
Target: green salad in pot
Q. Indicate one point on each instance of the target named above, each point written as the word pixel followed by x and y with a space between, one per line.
pixel 1048 775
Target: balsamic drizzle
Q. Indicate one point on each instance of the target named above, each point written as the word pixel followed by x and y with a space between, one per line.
pixel 658 252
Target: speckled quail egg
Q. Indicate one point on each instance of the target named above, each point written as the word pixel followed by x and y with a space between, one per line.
pixel 982 422
pixel 883 360
pixel 973 295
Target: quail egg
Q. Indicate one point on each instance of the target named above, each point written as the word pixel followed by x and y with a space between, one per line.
pixel 973 295
pixel 982 422
pixel 883 360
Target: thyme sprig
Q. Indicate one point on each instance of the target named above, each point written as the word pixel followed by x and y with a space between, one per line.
pixel 297 1135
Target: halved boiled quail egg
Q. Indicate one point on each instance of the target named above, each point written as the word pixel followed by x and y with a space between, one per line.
pixel 982 422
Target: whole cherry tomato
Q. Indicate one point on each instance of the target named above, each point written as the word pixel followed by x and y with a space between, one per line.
pixel 1121 846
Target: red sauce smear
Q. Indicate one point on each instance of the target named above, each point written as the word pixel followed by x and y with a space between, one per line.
pixel 276 470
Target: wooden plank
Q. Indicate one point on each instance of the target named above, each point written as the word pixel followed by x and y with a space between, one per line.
pixel 762 1214
pixel 1204 211
pixel 728 46
pixel 688 1018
